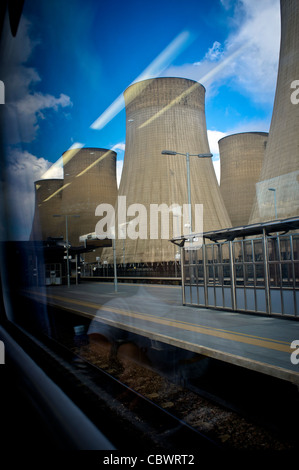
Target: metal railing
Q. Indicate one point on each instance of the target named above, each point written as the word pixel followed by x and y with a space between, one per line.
pixel 259 275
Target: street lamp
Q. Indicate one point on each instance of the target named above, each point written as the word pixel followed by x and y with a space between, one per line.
pixel 187 155
pixel 67 243
pixel 275 205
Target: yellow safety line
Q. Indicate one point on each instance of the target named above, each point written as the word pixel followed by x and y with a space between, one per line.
pixel 224 334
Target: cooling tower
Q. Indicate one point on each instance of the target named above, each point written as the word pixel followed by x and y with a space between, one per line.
pixel 241 158
pixel 89 180
pixel 166 114
pixel 280 170
pixel 48 197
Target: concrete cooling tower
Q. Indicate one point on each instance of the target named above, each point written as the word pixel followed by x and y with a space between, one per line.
pixel 241 159
pixel 89 180
pixel 277 191
pixel 48 197
pixel 166 114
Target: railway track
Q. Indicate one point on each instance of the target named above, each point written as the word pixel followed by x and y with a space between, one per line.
pixel 224 420
pixel 156 411
pixel 127 418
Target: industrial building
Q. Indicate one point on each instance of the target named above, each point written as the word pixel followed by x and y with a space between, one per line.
pixel 241 159
pixel 89 180
pixel 65 208
pixel 254 268
pixel 277 192
pixel 48 196
pixel 166 126
pixel 166 114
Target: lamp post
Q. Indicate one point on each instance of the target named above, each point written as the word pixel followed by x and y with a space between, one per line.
pixel 275 205
pixel 67 243
pixel 188 155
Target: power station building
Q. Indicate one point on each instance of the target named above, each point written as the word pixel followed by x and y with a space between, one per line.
pixel 165 132
pixel 89 180
pixel 70 204
pixel 48 197
pixel 166 114
pixel 241 159
pixel 277 192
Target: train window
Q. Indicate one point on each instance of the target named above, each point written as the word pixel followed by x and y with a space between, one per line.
pixel 131 174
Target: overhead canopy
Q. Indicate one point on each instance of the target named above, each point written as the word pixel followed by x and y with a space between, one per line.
pixel 274 226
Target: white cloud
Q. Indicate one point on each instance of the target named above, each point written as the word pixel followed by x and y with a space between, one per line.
pixel 256 69
pixel 22 165
pixel 252 125
pixel 24 107
pixel 248 59
pixel 214 52
pixel 213 138
pixel 32 104
pixel 120 149
pixel 119 169
pixel 23 116
pixel 226 4
pixel 22 169
pixel 217 169
pixel 56 170
pixel 120 146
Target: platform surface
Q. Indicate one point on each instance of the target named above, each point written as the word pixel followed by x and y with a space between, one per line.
pixel 256 342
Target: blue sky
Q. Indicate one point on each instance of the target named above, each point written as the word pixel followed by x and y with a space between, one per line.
pixel 72 60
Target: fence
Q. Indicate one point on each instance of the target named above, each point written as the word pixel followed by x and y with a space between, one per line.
pixel 259 275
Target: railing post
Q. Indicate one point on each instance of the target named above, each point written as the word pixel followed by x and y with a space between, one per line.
pixel 204 262
pixel 293 276
pixel 183 273
pixel 266 275
pixel 233 280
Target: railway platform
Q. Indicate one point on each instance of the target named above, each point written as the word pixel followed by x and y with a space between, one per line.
pixel 260 343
